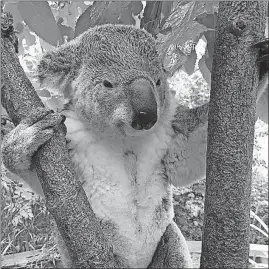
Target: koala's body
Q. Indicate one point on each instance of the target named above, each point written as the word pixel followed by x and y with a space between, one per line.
pixel 119 128
pixel 128 139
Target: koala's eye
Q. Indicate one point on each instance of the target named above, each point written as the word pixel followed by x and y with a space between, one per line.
pixel 107 84
pixel 158 83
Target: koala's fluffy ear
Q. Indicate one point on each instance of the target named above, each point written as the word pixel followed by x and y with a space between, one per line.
pixel 58 68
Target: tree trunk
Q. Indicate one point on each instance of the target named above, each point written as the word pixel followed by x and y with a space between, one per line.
pixel 230 135
pixel 66 199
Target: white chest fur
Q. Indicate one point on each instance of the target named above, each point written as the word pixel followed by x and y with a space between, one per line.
pixel 124 182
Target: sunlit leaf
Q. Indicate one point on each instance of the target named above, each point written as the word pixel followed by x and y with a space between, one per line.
pixel 208 20
pixel 184 28
pixel 100 13
pixel 13 9
pixel 136 7
pixel 66 31
pixel 204 70
pixel 262 107
pixel 126 17
pixel 19 27
pixel 189 65
pixel 39 17
pixel 152 17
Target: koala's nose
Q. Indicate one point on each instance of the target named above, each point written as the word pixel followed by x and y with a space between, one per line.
pixel 144 104
pixel 144 120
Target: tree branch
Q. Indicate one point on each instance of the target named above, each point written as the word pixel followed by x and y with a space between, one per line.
pixel 66 199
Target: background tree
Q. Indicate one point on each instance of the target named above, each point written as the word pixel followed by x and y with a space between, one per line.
pixel 231 135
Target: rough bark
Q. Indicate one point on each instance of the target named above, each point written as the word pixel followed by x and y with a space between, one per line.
pixel 66 199
pixel 230 135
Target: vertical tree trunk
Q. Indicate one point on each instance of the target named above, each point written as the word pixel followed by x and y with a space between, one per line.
pixel 230 135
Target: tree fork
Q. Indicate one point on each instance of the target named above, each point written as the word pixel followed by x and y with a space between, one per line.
pixel 65 197
pixel 231 135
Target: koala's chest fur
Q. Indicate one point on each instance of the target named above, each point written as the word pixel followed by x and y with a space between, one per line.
pixel 125 183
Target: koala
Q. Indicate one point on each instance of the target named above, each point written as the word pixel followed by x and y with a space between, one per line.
pixel 128 138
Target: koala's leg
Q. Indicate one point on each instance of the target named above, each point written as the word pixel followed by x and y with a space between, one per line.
pixel 172 250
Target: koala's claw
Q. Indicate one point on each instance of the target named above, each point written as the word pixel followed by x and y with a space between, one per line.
pixel 22 142
pixel 264 50
pixel 263 58
pixel 70 147
pixel 6 125
pixel 262 44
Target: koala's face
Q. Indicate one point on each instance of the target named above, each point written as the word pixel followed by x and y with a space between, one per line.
pixel 117 82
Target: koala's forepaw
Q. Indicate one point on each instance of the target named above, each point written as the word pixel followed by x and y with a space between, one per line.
pixel 22 142
pixel 6 125
pixel 70 147
pixel 263 56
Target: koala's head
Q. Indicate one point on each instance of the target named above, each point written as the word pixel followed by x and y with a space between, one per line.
pixel 113 77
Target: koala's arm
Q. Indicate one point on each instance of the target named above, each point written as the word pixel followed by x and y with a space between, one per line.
pixel 20 144
pixel 185 161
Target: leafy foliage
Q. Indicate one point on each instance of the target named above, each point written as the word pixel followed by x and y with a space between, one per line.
pixel 101 13
pixel 155 16
pixel 25 223
pixel 39 17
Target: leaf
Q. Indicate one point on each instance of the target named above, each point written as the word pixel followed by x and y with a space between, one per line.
pixel 90 17
pixel 189 65
pixel 167 7
pixel 13 9
pixel 136 7
pixel 152 17
pixel 30 40
pixel 115 13
pixel 155 15
pixel 184 28
pixel 262 107
pixel 19 27
pixel 66 31
pixel 71 12
pixel 210 38
pixel 208 20
pixel 260 230
pixel 204 70
pixel 126 17
pixel 259 220
pixel 39 17
pixel 100 13
pixel 45 45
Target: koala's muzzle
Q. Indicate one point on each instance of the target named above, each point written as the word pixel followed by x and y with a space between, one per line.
pixel 143 103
